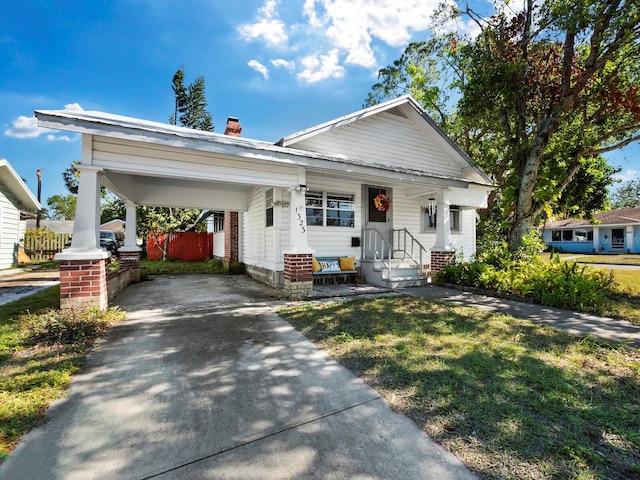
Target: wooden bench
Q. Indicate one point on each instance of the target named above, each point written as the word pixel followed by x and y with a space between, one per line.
pixel 323 277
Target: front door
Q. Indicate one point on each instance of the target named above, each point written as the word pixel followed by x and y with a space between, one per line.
pixel 617 238
pixel 378 217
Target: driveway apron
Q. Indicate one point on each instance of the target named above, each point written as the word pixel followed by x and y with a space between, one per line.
pixel 204 380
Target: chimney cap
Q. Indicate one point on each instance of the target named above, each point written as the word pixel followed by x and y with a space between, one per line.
pixel 232 119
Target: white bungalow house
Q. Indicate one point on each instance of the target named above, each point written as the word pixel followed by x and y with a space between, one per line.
pixel 312 193
pixel 14 196
pixel 615 231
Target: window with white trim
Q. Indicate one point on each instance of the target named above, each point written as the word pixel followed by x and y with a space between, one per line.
pixel 269 208
pixel 327 209
pixel 430 220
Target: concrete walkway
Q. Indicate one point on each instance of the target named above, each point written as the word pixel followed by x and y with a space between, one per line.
pixel 204 380
pixel 581 324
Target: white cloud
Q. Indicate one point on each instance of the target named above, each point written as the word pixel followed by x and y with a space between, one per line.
pixel 260 68
pixel 281 63
pixel 61 138
pixel 627 175
pixel 268 25
pixel 321 67
pixel 353 25
pixel 27 127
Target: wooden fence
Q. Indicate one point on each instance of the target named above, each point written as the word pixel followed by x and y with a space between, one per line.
pixel 41 245
pixel 187 246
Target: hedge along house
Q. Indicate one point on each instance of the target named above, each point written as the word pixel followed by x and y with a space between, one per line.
pixel 311 193
pixel 616 231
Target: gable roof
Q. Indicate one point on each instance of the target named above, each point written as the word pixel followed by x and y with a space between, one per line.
pixel 622 216
pixel 14 184
pixel 407 108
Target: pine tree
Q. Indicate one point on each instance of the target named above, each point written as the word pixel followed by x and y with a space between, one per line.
pixel 190 104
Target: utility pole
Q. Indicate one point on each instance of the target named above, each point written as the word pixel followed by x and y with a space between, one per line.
pixel 39 174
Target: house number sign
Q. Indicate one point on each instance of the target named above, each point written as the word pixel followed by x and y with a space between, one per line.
pixel 301 221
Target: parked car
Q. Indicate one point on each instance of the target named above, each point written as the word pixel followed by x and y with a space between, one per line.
pixel 111 240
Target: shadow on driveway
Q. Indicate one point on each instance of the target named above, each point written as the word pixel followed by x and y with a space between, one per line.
pixel 204 380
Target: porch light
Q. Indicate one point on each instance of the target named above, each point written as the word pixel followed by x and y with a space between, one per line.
pixel 303 188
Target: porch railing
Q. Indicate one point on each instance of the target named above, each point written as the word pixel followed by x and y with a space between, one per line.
pixel 407 245
pixel 375 247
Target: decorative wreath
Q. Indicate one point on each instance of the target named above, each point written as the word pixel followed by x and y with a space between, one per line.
pixel 381 202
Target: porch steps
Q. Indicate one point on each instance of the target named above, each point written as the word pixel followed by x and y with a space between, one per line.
pixel 404 274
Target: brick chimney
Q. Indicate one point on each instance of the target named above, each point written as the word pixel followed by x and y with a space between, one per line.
pixel 234 129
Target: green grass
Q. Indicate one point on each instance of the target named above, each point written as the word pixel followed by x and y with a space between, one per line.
pixel 604 259
pixel 177 267
pixel 40 350
pixel 511 399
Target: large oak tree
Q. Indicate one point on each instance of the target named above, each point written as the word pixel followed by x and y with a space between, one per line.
pixel 542 94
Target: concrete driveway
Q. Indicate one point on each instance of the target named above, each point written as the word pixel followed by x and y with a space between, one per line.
pixel 204 380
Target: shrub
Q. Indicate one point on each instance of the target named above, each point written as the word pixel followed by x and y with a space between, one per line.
pixel 521 272
pixel 57 326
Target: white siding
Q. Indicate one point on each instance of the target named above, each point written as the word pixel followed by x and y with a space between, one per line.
pixel 407 213
pixel 9 228
pixel 262 245
pixel 218 244
pixel 386 139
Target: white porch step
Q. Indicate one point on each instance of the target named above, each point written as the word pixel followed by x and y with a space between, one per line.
pixel 404 273
pixel 406 282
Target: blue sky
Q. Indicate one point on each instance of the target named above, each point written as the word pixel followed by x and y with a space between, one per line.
pixel 280 66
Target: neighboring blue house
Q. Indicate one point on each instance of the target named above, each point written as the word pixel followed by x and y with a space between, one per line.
pixel 617 231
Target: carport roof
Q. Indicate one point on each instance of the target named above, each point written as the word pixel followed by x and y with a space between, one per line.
pixel 128 128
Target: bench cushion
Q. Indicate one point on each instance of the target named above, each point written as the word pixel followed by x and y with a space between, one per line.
pixel 347 263
pixel 330 266
pixel 315 265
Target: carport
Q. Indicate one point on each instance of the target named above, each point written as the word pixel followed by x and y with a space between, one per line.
pixel 147 163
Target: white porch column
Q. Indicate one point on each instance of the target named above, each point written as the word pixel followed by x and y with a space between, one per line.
pixel 596 239
pixel 83 273
pixel 443 223
pixel 629 242
pixel 298 223
pixel 130 226
pixel 86 226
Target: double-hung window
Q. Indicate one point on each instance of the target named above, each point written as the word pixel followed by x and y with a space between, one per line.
pixel 430 219
pixel 269 208
pixel 326 209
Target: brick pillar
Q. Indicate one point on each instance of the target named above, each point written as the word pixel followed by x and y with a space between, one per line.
pixel 440 258
pixel 131 259
pixel 298 275
pixel 83 284
pixel 231 255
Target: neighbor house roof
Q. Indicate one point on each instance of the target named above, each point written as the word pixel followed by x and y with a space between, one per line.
pixel 14 184
pixel 622 216
pixel 57 226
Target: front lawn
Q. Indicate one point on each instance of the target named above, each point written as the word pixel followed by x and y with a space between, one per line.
pixel 511 399
pixel 40 350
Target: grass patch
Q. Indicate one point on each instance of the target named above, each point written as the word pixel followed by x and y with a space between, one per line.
pixel 606 259
pixel 41 348
pixel 177 267
pixel 511 399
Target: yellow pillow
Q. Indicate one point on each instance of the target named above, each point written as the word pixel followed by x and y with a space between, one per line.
pixel 347 263
pixel 315 265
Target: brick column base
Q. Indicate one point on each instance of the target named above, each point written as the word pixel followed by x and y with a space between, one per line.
pixel 440 258
pixel 131 260
pixel 83 284
pixel 298 275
